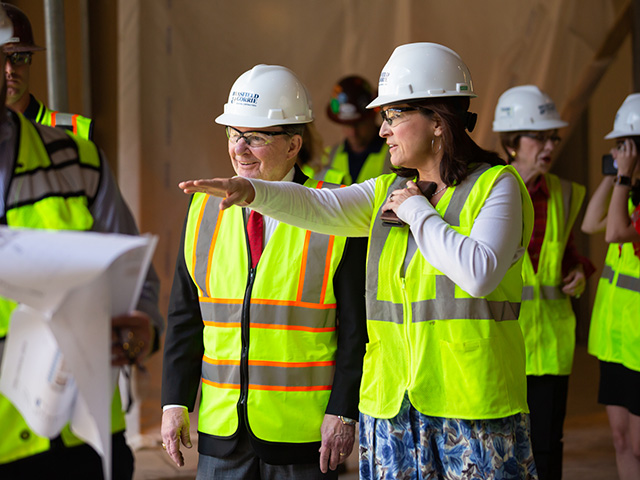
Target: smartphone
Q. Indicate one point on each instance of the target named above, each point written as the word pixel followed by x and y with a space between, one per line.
pixel 609 165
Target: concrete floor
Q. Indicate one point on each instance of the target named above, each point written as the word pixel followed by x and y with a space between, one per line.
pixel 588 450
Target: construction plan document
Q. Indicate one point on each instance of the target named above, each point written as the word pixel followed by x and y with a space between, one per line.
pixel 56 359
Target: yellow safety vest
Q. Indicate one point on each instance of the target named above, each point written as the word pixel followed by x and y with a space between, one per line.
pixel 614 334
pixel 38 199
pixel 456 356
pixel 337 169
pixel 270 332
pixel 77 124
pixel 546 316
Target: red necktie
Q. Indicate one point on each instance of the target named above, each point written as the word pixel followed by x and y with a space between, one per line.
pixel 255 230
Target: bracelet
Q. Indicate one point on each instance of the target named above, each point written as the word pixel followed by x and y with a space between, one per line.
pixel 623 180
pixel 347 421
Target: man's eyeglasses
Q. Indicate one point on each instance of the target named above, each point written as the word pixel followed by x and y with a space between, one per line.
pixel 19 58
pixel 391 115
pixel 253 139
pixel 544 137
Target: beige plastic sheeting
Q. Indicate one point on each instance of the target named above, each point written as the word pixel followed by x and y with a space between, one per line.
pixel 178 60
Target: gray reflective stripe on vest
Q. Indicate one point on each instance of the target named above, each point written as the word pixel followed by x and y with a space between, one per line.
pixel 607 273
pixel 64 120
pixel 271 376
pixel 547 292
pixel 289 315
pixel 206 230
pixel 226 374
pixel 460 195
pixel 80 179
pixel 628 282
pixel 445 306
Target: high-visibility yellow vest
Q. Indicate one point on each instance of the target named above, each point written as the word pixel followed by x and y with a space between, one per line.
pixel 614 334
pixel 77 124
pixel 546 316
pixel 456 356
pixel 38 199
pixel 270 332
pixel 337 169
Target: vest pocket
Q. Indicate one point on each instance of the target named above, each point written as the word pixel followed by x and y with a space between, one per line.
pixel 475 386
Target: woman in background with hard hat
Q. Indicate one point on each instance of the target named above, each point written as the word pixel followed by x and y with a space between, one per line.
pixel 553 270
pixel 614 335
pixel 443 388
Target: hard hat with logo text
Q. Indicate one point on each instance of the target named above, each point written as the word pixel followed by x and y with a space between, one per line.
pixel 266 96
pixel 349 100
pixel 22 38
pixel 526 107
pixel 627 121
pixel 422 70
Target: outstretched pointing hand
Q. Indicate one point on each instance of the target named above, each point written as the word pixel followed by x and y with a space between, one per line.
pixel 233 191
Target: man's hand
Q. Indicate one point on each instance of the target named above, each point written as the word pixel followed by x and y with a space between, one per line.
pixel 337 442
pixel 175 429
pixel 233 191
pixel 575 282
pixel 132 338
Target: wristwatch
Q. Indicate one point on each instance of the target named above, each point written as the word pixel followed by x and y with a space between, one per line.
pixel 623 180
pixel 347 421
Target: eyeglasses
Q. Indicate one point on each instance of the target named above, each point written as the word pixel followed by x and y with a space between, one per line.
pixel 543 137
pixel 391 115
pixel 253 139
pixel 20 58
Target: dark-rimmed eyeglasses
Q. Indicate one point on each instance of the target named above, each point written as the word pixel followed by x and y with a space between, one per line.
pixel 543 137
pixel 20 58
pixel 252 138
pixel 391 115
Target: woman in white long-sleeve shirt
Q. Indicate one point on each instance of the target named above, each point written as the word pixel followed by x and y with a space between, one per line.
pixel 444 389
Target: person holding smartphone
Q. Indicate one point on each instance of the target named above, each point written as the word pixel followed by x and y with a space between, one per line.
pixel 614 336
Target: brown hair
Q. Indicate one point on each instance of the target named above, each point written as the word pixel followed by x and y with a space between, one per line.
pixel 312 148
pixel 459 149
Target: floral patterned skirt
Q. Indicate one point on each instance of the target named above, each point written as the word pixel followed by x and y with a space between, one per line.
pixel 413 446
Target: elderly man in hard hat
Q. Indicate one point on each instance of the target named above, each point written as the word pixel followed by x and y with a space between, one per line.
pixel 553 270
pixel 362 154
pixel 70 188
pixel 614 336
pixel 267 318
pixel 19 50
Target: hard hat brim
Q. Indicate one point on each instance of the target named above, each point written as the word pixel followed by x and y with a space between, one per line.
pixel 245 121
pixel 539 126
pixel 383 100
pixel 17 48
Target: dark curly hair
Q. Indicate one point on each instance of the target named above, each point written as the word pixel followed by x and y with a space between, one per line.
pixel 459 148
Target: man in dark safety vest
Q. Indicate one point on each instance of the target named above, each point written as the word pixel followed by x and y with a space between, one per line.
pixel 268 319
pixel 52 179
pixel 19 50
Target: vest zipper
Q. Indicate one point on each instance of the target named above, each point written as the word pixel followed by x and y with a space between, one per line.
pixel 244 336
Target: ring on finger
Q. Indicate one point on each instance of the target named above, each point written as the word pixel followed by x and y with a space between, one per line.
pixel 342 454
pixel 164 447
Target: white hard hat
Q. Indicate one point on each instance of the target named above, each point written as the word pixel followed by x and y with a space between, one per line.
pixel 6 28
pixel 526 108
pixel 422 70
pixel 627 122
pixel 266 96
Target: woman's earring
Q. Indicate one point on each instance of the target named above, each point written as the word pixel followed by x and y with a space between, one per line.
pixel 433 149
pixel 513 154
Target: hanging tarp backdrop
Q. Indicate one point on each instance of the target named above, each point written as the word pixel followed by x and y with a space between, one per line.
pixel 162 70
